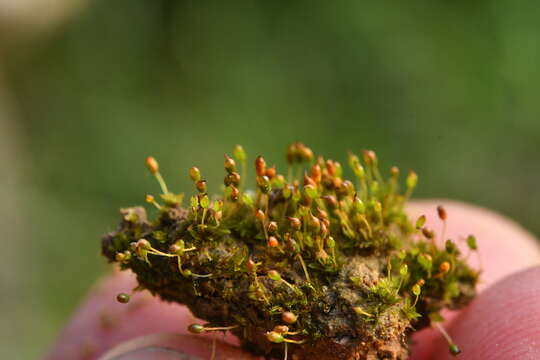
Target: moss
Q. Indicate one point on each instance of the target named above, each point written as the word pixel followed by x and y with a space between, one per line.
pixel 343 260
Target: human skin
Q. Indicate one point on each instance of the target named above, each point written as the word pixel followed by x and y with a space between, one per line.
pixel 503 322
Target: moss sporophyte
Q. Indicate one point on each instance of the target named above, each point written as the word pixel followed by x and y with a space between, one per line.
pixel 312 265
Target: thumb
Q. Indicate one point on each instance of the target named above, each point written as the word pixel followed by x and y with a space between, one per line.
pixel 502 323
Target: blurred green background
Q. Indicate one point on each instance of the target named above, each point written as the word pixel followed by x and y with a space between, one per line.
pixel 448 88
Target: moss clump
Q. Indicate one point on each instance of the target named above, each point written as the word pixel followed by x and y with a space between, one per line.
pixel 319 267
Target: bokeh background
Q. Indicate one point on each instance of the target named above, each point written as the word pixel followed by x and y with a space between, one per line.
pixel 89 88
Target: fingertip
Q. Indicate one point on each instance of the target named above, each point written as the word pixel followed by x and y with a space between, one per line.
pixel 502 323
pixel 505 247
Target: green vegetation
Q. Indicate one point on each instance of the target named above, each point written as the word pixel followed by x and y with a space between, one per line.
pixel 309 259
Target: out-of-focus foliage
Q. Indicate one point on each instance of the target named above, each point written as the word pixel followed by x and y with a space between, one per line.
pixel 448 88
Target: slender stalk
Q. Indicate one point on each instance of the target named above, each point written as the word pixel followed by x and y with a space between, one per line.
pixel 203 216
pixel 213 356
pixel 304 267
pixel 244 174
pixel 161 182
pixel 220 328
pixel 444 333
